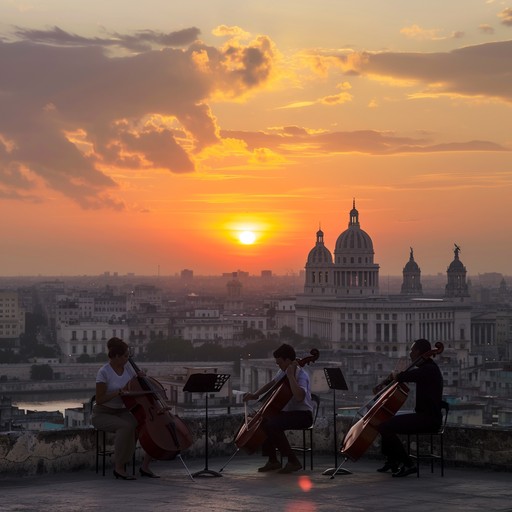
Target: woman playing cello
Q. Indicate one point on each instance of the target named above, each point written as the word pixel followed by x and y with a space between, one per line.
pixel 110 413
pixel 427 414
pixel 296 414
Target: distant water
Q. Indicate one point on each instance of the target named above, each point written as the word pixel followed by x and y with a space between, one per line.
pixel 50 401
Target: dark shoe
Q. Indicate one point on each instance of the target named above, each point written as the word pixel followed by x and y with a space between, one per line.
pixel 149 474
pixel 123 477
pixel 290 467
pixel 405 471
pixel 270 466
pixel 388 466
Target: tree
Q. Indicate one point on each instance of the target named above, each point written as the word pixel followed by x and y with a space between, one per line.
pixel 41 372
pixel 172 349
pixel 9 357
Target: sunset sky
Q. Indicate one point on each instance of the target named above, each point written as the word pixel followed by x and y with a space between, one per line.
pixel 147 136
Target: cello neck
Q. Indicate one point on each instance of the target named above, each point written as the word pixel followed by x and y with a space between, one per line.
pixel 134 366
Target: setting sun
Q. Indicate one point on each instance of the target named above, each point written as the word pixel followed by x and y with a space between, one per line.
pixel 247 237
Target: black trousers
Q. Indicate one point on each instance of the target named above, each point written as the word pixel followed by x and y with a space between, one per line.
pixel 275 426
pixel 412 423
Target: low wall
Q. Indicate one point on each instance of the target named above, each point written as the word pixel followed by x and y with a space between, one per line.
pixel 33 453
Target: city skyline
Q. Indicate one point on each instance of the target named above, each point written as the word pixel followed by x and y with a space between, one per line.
pixel 222 136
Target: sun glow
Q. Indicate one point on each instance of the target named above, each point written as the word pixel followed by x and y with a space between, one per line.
pixel 247 237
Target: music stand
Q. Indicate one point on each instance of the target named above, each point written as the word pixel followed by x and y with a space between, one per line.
pixel 206 383
pixel 335 380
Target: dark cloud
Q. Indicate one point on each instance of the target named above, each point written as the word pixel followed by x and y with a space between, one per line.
pixel 480 70
pixel 363 141
pixel 142 40
pixel 69 107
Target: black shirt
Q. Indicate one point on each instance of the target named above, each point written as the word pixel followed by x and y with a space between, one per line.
pixel 429 387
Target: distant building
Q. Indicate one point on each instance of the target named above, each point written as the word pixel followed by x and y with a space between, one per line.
pixel 342 304
pixel 187 275
pixel 12 320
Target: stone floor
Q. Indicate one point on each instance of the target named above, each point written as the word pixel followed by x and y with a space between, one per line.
pixel 241 488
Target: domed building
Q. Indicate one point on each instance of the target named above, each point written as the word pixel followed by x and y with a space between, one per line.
pixel 342 305
pixel 319 267
pixel 353 271
pixel 411 284
pixel 456 286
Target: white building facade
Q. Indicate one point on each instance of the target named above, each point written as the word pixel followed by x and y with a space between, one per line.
pixel 342 304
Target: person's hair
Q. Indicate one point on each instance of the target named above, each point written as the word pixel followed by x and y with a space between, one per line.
pixel 423 345
pixel 116 347
pixel 285 352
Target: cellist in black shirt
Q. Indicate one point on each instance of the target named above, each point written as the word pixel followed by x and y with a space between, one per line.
pixel 427 414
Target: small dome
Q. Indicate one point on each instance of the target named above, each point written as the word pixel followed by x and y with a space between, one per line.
pixel 319 255
pixel 411 266
pixel 456 265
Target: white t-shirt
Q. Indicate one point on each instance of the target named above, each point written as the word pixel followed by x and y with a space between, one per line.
pixel 115 382
pixel 303 381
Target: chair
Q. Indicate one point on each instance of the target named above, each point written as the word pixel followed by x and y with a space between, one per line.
pixel 101 444
pixel 308 447
pixel 429 436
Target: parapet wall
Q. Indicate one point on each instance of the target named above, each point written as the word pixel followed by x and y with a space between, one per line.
pixel 32 453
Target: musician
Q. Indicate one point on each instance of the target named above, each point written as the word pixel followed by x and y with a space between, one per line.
pixel 110 413
pixel 427 414
pixel 296 414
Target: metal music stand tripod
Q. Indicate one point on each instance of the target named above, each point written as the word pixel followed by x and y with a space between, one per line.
pixel 206 383
pixel 335 380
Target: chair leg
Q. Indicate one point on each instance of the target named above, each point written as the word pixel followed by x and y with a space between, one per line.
pixel 104 455
pixel 304 449
pixel 311 446
pixel 97 450
pixel 417 456
pixel 431 453
pixel 441 447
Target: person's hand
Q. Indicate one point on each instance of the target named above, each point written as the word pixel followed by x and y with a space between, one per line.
pixel 290 371
pixel 250 396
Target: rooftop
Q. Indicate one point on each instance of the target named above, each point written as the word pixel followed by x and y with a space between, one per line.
pixel 242 488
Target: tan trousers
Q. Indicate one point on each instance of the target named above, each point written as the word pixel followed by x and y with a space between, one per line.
pixel 123 423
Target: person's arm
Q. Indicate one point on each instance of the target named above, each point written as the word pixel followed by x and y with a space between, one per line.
pixel 102 396
pixel 259 392
pixel 299 393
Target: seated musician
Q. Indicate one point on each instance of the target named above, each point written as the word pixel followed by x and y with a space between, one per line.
pixel 427 414
pixel 110 413
pixel 296 414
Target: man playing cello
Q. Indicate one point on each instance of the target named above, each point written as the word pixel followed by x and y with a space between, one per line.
pixel 296 414
pixel 427 414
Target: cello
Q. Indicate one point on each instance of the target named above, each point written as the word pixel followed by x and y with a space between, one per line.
pixel 161 434
pixel 386 404
pixel 250 435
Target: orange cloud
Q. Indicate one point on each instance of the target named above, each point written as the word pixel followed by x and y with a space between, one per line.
pixel 506 16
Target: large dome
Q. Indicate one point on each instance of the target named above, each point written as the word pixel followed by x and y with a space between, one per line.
pixel 354 240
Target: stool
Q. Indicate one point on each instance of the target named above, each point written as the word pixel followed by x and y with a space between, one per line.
pixel 101 448
pixel 430 455
pixel 305 448
pixel 102 451
pixel 101 444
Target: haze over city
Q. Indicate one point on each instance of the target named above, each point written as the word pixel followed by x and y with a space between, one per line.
pixel 216 136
